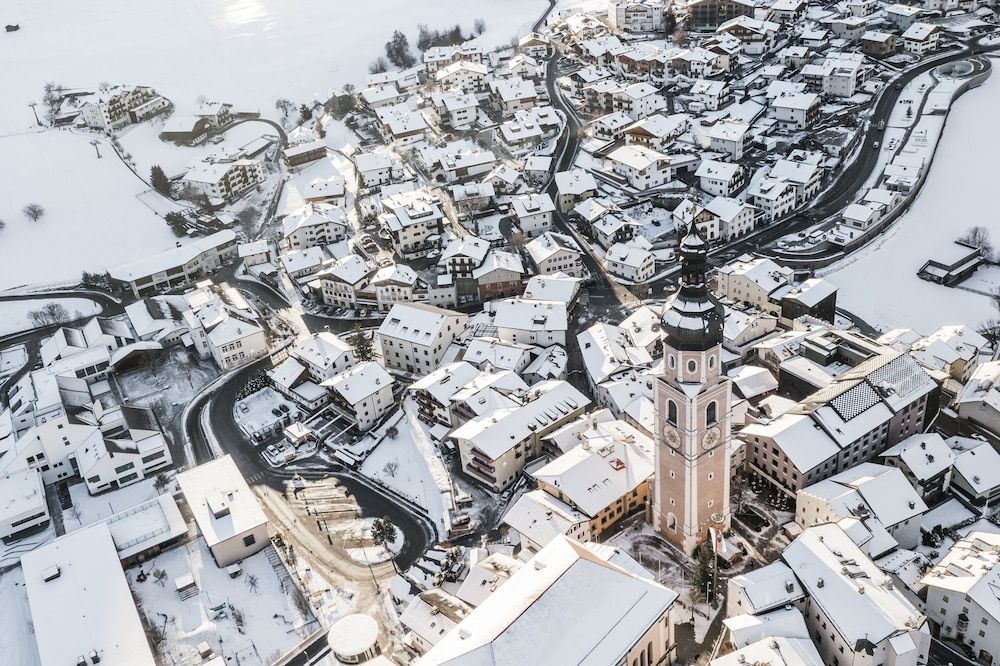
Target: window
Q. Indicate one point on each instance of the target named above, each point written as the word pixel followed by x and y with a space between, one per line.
pixel 692 366
pixel 711 413
pixel 249 540
pixel 672 412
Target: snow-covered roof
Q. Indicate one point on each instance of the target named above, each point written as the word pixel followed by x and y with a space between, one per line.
pixel 920 31
pixel 877 490
pixel 21 494
pixel 533 204
pixel 524 315
pixel 844 582
pixel 771 586
pixel 764 272
pixel 525 620
pixel 321 349
pixel 359 382
pixel 447 380
pixel 575 182
pixel 982 388
pixel 971 567
pixel 416 322
pixel 607 349
pixel 220 499
pixel 924 454
pixel 607 465
pixel 773 650
pixel 545 405
pixel 728 131
pixel 799 438
pixel 498 353
pixel 747 628
pixel 486 575
pixel 498 260
pixel 980 467
pixel 541 517
pixel 80 601
pixel 753 381
pixel 637 157
pixel 552 287
pixel 716 170
pixel 628 254
pixel 178 256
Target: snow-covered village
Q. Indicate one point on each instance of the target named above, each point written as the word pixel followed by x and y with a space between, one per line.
pixel 500 333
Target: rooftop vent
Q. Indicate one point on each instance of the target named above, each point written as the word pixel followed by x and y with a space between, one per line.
pixel 51 573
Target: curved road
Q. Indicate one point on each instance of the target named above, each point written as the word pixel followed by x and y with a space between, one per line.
pixel 845 186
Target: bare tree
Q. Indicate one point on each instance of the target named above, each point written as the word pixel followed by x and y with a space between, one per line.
pixel 391 468
pixel 479 27
pixel 979 236
pixel 50 313
pixel 33 212
pixel 990 329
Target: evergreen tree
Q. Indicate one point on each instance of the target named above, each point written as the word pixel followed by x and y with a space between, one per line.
pixel 362 344
pixel 397 50
pixel 159 180
pixel 669 22
pixel 383 531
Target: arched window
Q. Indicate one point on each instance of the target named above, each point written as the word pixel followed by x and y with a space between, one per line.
pixel 711 362
pixel 711 413
pixel 692 366
pixel 671 522
pixel 671 412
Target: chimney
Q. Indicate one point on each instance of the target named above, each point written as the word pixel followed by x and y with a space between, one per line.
pixel 819 583
pixel 789 586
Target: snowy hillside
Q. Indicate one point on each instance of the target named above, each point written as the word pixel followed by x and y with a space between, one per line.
pixel 249 52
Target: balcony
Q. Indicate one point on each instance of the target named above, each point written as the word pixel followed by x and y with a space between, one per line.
pixel 486 477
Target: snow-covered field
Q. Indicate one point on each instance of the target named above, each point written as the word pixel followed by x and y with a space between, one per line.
pixel 14 315
pixel 93 218
pixel 260 620
pixel 880 283
pixel 248 52
pixel 409 465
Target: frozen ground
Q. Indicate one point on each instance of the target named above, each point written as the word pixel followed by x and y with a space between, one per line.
pixel 263 616
pixel 14 315
pixel 16 633
pixel 880 282
pixel 93 219
pixel 248 52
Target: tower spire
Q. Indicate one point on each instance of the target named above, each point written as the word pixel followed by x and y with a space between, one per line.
pixel 693 319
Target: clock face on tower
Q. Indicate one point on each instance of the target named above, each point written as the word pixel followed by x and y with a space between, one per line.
pixel 671 437
pixel 711 438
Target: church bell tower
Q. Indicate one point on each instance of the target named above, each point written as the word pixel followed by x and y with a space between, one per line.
pixel 693 410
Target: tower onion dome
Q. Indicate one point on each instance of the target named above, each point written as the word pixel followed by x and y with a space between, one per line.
pixel 693 318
